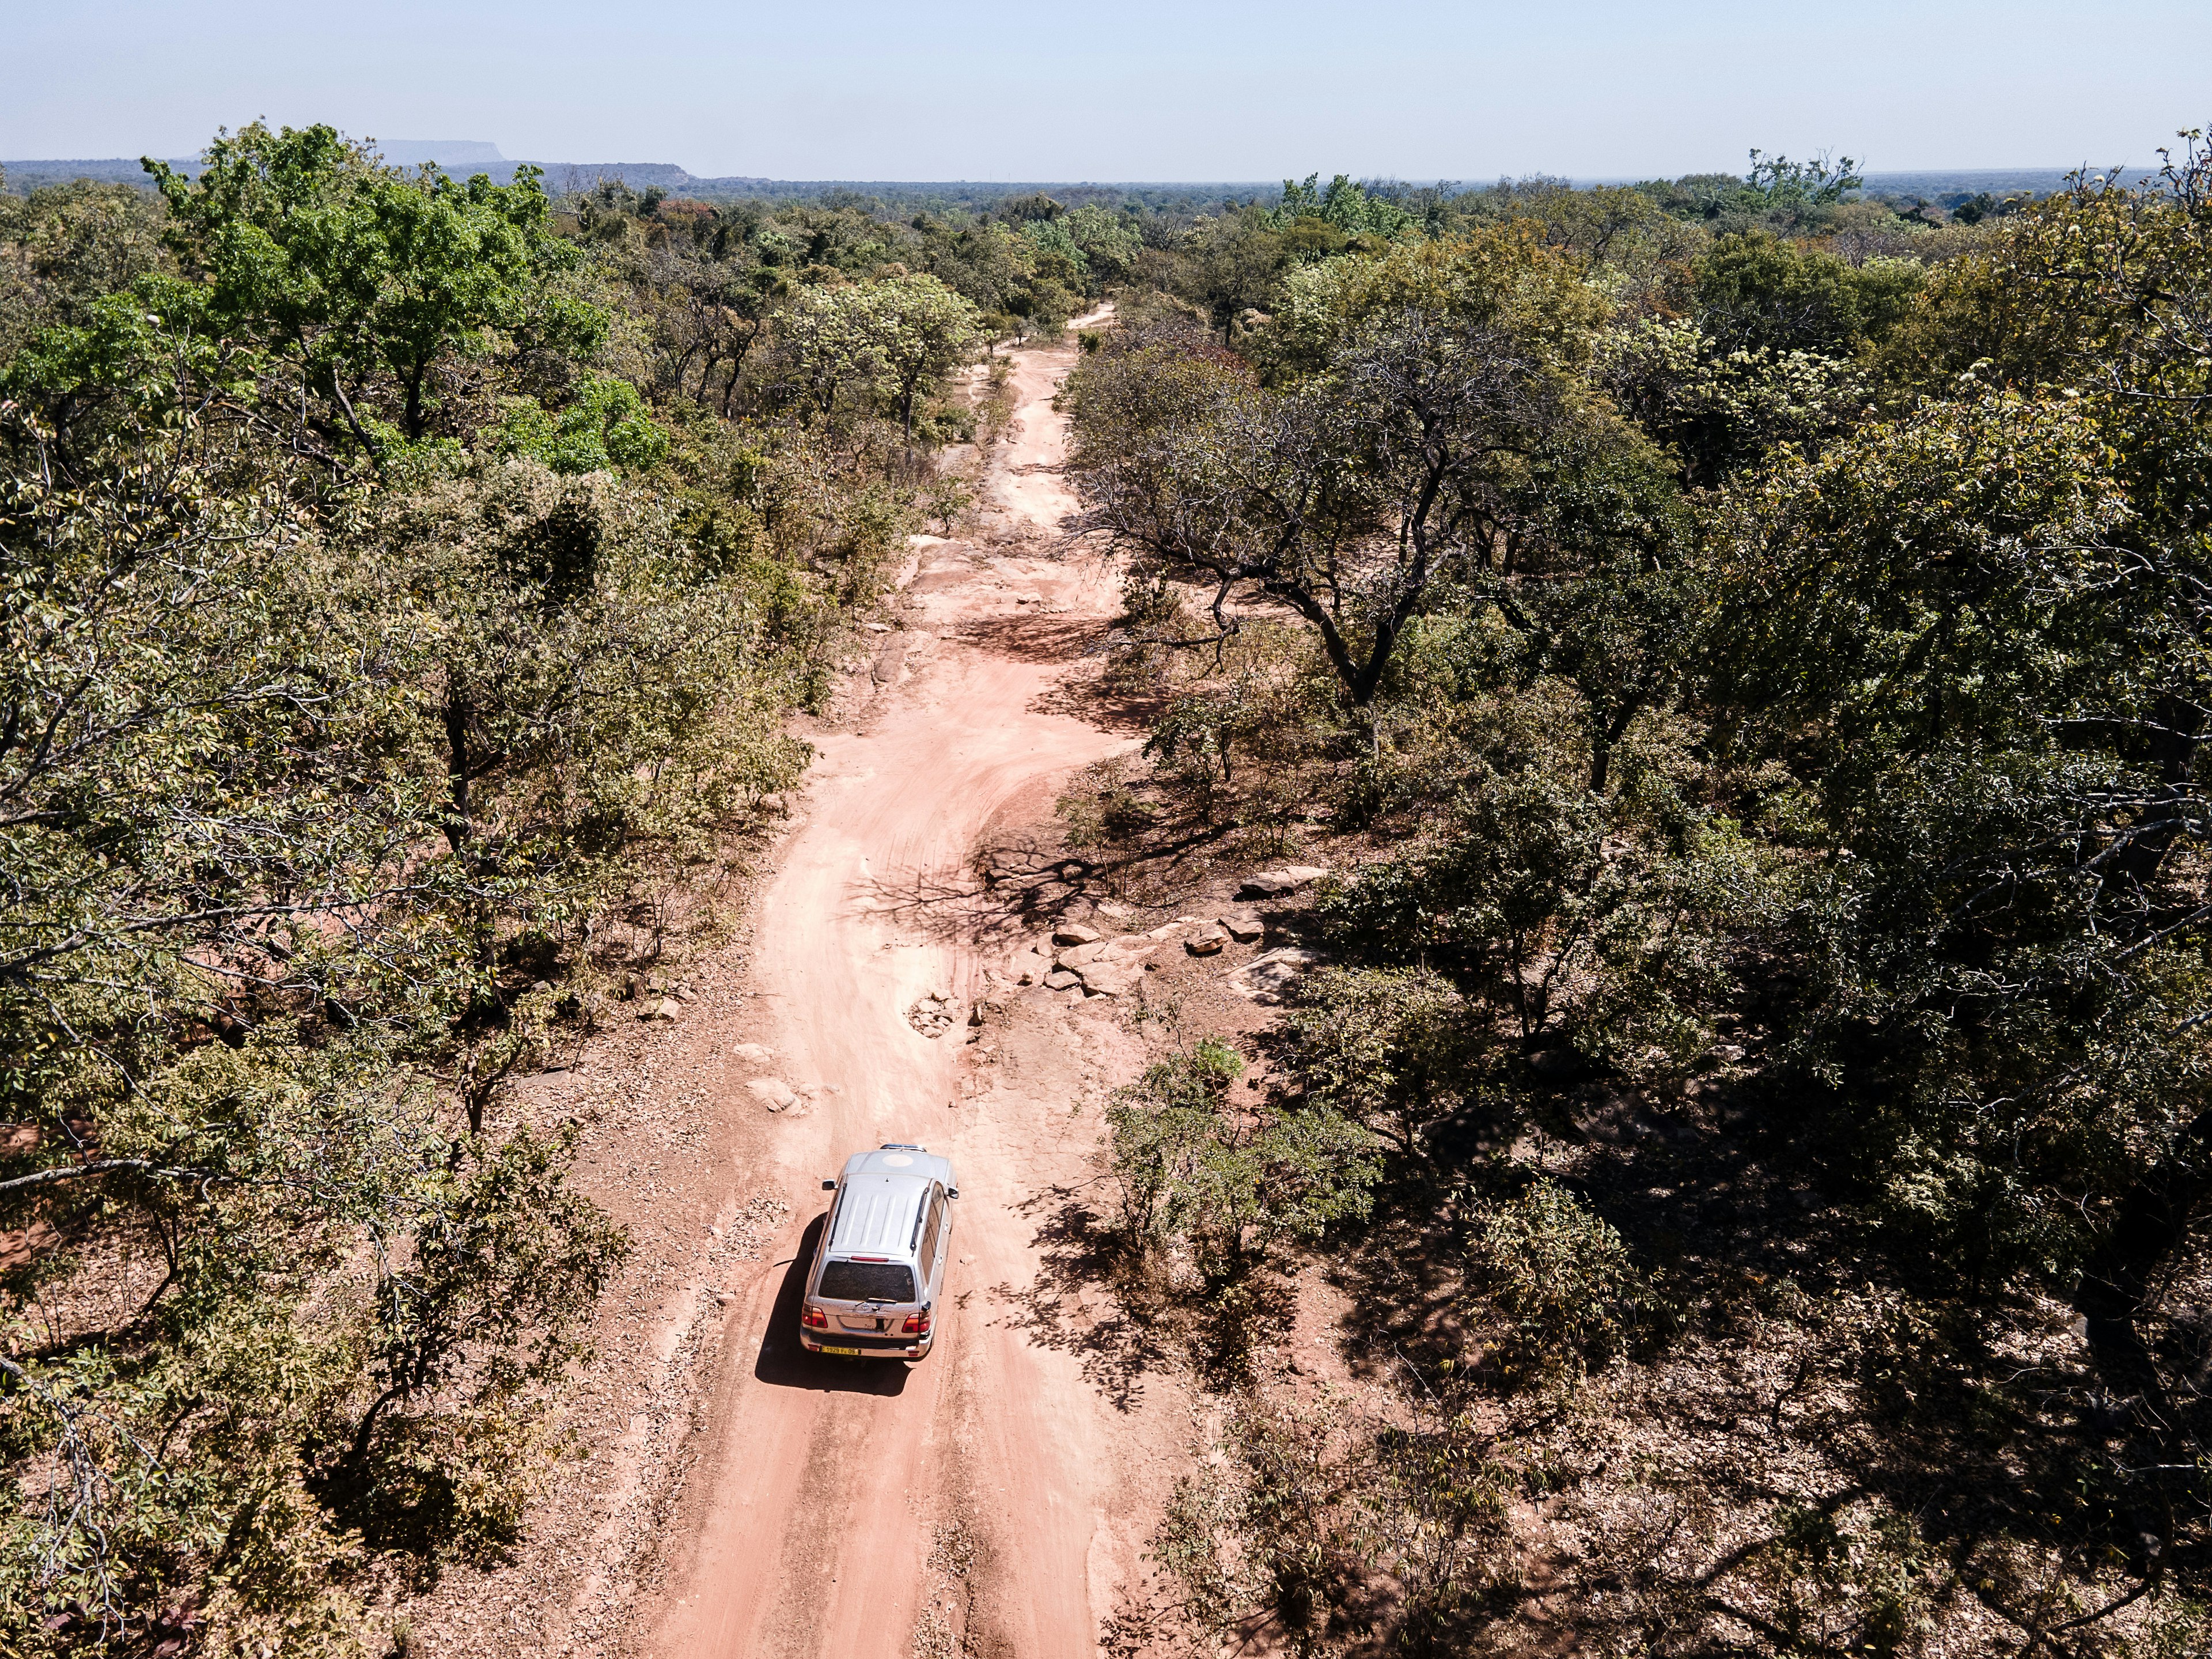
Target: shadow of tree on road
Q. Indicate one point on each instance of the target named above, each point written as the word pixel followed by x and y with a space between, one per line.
pixel 1114 1344
pixel 1020 882
pixel 1096 701
pixel 1049 638
pixel 944 904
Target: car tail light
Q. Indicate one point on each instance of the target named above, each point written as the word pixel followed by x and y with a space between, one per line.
pixel 815 1319
pixel 916 1324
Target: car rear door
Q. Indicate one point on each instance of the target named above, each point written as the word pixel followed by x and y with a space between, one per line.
pixel 936 1244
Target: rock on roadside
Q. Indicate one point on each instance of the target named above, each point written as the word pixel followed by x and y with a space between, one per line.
pixel 1264 977
pixel 1109 978
pixel 932 1015
pixel 1130 947
pixel 1280 884
pixel 774 1093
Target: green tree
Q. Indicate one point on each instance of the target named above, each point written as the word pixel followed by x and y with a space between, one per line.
pixel 229 978
pixel 1755 289
pixel 923 331
pixel 1223 1182
pixel 1343 205
pixel 63 246
pixel 1440 433
pixel 1561 1276
pixel 888 340
pixel 366 284
pixel 1990 640
pixel 1109 244
pixel 605 427
pixel 710 309
pixel 307 796
pixel 1777 193
pixel 1232 264
pixel 1394 1044
pixel 1722 412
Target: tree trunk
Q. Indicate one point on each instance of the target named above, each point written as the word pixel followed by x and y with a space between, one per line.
pixel 414 415
pixel 2174 752
pixel 2149 1226
pixel 1601 751
pixel 457 765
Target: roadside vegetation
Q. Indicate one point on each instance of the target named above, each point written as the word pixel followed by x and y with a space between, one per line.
pixel 1741 646
pixel 404 583
pixel 1738 642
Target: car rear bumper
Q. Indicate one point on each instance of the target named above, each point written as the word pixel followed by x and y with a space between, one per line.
pixel 867 1347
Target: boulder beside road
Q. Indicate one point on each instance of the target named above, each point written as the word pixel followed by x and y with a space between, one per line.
pixel 773 1092
pixel 1281 883
pixel 1110 977
pixel 1264 977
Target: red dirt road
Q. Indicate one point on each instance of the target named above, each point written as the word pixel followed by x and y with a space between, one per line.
pixel 808 1523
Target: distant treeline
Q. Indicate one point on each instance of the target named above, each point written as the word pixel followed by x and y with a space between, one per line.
pixel 581 178
pixel 1944 188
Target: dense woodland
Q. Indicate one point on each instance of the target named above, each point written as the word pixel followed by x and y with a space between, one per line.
pixel 1743 648
pixel 1742 643
pixel 406 585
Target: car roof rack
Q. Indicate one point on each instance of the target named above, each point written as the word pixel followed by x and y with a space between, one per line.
pixel 899 1146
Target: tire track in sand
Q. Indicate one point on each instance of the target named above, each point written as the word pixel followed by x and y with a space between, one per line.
pixel 811 1514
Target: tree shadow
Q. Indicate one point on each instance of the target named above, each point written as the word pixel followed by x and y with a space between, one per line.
pixel 1033 639
pixel 1036 877
pixel 1032 880
pixel 1116 1346
pixel 1792 1346
pixel 940 903
pixel 1096 700
pixel 782 1363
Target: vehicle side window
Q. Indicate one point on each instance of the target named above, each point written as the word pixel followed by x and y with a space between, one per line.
pixel 931 1233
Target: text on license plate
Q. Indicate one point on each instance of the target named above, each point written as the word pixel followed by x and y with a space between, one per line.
pixel 853 1353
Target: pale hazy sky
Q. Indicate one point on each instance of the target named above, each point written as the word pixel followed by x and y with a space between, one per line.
pixel 1146 89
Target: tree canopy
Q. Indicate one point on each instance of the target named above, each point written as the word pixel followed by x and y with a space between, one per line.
pixel 1740 642
pixel 397 578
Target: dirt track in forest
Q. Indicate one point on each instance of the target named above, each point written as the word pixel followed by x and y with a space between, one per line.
pixel 808 1524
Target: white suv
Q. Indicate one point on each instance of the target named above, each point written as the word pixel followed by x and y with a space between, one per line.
pixel 877 1273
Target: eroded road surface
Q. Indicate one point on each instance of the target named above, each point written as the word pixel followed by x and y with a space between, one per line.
pixel 808 1526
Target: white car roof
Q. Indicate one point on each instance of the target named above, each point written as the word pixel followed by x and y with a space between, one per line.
pixel 883 1193
pixel 899 1159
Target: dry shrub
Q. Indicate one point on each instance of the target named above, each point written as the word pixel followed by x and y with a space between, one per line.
pixel 1561 1279
pixel 1317 1529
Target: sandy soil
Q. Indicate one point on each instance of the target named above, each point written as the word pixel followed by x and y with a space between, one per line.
pixel 727 1494
pixel 985 1496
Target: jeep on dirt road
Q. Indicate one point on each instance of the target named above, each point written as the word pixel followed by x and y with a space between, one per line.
pixel 880 1265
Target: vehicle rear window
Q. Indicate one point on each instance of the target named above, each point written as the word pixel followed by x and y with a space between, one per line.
pixel 867 1281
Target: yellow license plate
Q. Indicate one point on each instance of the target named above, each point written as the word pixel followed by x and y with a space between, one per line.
pixel 854 1353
